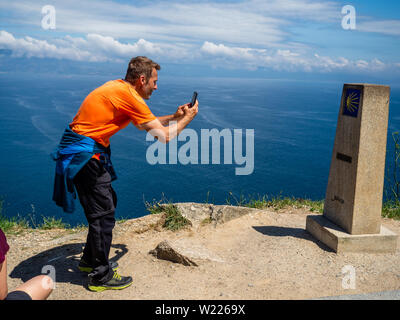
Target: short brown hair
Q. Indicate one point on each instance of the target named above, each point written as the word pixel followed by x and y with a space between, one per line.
pixel 140 66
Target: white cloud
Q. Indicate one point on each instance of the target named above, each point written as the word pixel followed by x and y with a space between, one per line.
pixel 328 63
pixel 97 48
pixel 232 52
pixel 287 53
pixel 254 32
pixel 251 22
pixel 389 27
pixel 31 47
pixel 109 46
pixel 326 11
pixel 284 59
pixel 376 64
pixel 362 64
pixel 94 48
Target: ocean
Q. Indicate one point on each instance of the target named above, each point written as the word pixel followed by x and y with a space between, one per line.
pixel 294 125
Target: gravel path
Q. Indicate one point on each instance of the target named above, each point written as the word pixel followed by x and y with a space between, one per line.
pixel 261 255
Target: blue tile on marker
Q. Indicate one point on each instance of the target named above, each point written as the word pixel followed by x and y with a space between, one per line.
pixel 352 102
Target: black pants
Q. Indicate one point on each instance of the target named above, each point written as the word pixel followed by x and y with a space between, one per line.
pixel 98 199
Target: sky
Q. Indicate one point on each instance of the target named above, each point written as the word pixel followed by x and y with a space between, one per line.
pixel 234 37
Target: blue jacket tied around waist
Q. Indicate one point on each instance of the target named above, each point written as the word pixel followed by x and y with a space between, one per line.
pixel 73 152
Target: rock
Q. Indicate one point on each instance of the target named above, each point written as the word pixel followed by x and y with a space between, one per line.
pixel 184 251
pixel 198 213
pixel 166 252
pixel 222 213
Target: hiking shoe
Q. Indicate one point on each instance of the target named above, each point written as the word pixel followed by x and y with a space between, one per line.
pixel 85 267
pixel 117 282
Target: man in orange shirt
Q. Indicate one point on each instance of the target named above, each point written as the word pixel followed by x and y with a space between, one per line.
pixel 84 157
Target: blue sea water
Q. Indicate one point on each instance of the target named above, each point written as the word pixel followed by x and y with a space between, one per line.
pixel 294 126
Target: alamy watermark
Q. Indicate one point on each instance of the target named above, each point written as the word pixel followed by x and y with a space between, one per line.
pixel 349 20
pixel 49 17
pixel 188 153
pixel 50 271
pixel 349 279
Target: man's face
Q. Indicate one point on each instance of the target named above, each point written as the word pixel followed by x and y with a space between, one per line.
pixel 151 85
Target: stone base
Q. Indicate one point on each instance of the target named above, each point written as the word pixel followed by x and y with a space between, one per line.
pixel 340 241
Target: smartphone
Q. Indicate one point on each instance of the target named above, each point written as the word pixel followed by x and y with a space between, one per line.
pixel 194 98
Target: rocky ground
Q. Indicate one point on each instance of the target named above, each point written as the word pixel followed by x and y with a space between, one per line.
pixel 262 254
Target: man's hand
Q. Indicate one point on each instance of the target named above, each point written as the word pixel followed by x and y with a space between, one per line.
pixel 166 133
pixel 190 112
pixel 179 112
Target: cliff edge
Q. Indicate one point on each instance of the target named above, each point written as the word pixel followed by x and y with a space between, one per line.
pixel 225 252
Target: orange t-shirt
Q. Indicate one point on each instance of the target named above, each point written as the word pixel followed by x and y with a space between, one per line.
pixel 108 109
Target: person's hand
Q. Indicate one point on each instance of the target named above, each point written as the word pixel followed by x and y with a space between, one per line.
pixel 191 112
pixel 179 112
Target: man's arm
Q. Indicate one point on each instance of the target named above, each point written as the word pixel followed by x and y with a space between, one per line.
pixel 167 133
pixel 165 120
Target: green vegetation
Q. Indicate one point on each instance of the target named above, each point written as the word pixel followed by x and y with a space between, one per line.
pixel 206 221
pixel 173 218
pixel 391 204
pixel 276 202
pixel 17 225
pixel 175 221
pixel 391 209
pixel 13 225
pixel 53 223
pixel 279 202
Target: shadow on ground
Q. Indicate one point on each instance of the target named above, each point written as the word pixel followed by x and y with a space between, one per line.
pixel 64 259
pixel 275 231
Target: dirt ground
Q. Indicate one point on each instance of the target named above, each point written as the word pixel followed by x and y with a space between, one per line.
pixel 261 255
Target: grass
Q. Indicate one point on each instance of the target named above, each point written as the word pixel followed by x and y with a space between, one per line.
pixel 391 209
pixel 277 202
pixel 175 221
pixel 13 225
pixel 53 223
pixel 18 224
pixel 173 218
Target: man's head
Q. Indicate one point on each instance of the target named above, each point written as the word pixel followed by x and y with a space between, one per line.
pixel 142 73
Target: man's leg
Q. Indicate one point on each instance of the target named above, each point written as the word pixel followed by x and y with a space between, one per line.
pixel 96 247
pixel 93 184
pixel 85 182
pixel 98 199
pixel 107 225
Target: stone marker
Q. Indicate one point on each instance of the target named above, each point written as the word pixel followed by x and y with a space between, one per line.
pixel 351 221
